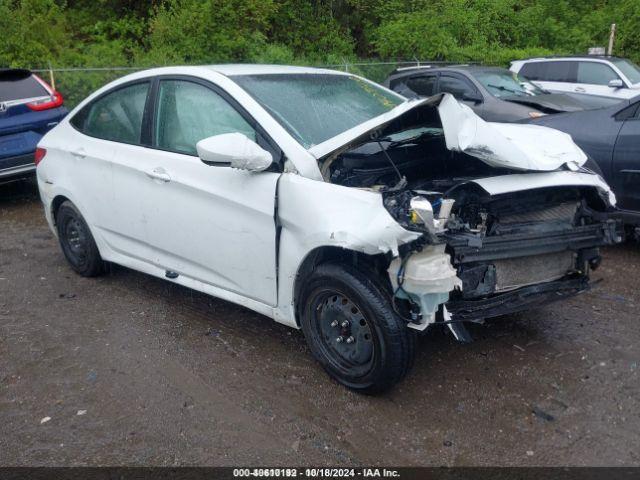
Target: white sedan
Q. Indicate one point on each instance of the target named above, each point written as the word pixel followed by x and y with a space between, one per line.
pixel 326 202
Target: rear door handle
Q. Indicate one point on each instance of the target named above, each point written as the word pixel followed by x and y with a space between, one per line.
pixel 159 173
pixel 79 152
pixel 579 89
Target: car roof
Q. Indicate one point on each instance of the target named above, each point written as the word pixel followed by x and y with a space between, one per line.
pixel 225 70
pixel 571 57
pixel 471 68
pixel 429 66
pixel 232 69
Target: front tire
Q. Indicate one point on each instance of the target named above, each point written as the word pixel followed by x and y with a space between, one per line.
pixel 352 330
pixel 77 243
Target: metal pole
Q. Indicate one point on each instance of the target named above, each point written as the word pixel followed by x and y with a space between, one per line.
pixel 612 36
pixel 52 80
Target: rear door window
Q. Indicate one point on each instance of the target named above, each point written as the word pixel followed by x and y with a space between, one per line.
pixel 533 70
pixel 560 72
pixel 423 85
pixel 594 73
pixel 549 71
pixel 116 116
pixel 18 85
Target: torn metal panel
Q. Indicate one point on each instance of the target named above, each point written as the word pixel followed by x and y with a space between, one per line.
pixel 516 300
pixel 317 212
pixel 515 146
pixel 528 181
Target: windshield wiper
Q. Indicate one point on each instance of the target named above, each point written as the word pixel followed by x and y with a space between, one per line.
pixel 505 89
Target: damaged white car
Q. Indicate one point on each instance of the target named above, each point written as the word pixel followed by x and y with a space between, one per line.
pixel 325 202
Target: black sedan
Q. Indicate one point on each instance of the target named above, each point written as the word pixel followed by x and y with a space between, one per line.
pixel 495 94
pixel 611 136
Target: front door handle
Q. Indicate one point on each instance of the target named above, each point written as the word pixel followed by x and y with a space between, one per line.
pixel 159 173
pixel 579 89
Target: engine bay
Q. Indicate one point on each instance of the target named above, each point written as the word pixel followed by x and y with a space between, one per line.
pixel 416 164
pixel 519 241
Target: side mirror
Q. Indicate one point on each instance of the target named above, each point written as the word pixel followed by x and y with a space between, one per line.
pixel 233 150
pixel 616 83
pixel 472 97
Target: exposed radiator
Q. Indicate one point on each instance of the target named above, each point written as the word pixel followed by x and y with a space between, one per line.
pixel 517 272
pixel 564 212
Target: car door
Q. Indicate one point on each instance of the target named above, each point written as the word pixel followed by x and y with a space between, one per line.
pixel 594 77
pixel 626 160
pixel 109 159
pixel 213 224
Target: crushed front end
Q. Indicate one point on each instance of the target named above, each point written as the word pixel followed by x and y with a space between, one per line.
pixel 510 216
pixel 510 251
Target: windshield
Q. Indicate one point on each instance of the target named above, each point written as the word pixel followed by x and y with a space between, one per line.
pixel 629 69
pixel 502 84
pixel 316 107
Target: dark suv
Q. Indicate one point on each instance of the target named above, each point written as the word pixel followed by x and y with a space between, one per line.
pixel 495 94
pixel 29 108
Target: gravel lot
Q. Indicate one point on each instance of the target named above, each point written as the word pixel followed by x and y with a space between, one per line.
pixel 132 370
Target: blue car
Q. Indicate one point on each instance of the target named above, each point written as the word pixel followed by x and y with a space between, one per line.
pixel 29 108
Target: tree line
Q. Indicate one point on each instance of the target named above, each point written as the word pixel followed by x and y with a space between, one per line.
pixel 94 33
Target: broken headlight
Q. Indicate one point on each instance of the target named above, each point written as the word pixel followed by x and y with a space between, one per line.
pixel 422 213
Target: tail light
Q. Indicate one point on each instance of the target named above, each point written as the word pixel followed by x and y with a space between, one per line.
pixel 54 101
pixel 39 155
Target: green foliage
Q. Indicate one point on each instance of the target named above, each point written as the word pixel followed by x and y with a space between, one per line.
pixel 102 33
pixel 208 31
pixel 627 14
pixel 33 32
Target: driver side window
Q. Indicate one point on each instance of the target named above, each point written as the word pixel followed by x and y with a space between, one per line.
pixel 455 86
pixel 189 112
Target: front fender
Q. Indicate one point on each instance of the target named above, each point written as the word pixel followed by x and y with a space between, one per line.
pixel 315 214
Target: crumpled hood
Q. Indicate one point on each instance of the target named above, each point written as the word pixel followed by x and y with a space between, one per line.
pixel 510 145
pixel 506 145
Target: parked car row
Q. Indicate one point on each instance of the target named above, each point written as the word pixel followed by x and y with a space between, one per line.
pixel 495 94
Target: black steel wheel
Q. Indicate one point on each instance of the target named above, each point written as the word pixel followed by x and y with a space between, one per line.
pixel 352 331
pixel 77 243
pixel 343 333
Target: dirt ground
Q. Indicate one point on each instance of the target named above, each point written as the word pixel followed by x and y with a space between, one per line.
pixel 132 370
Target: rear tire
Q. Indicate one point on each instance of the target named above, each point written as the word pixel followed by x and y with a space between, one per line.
pixel 77 243
pixel 352 330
